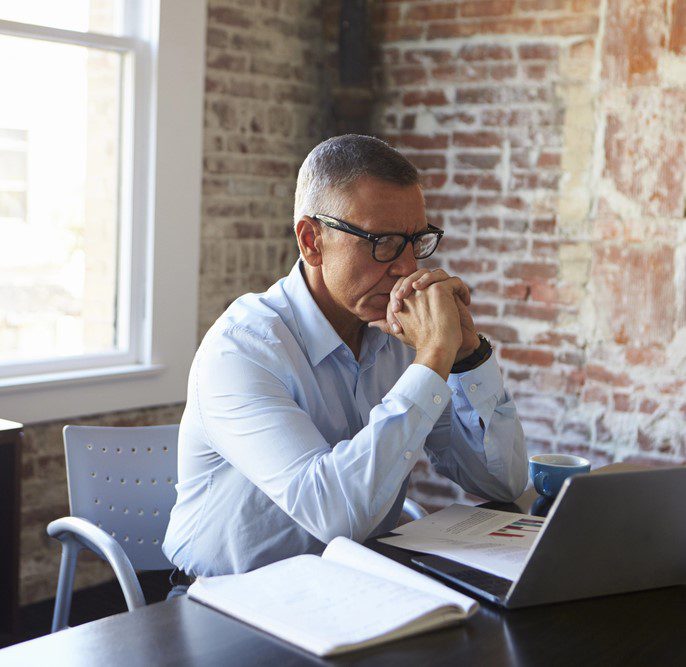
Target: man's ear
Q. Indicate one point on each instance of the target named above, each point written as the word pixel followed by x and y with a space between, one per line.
pixel 309 235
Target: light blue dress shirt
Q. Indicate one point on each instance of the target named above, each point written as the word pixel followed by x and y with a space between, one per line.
pixel 288 441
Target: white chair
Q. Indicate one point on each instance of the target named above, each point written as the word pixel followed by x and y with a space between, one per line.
pixel 121 492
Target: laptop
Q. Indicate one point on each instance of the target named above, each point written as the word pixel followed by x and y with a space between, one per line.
pixel 606 533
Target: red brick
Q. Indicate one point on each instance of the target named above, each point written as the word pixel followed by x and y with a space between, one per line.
pixel 228 16
pixel 480 8
pixel 536 72
pixel 427 160
pixel 538 52
pixel 477 95
pixel 527 356
pixel 501 245
pixel 571 25
pixel 601 374
pixel 517 291
pixel 513 25
pixel 407 75
pixel 532 311
pixel 542 5
pixel 546 248
pixel 397 32
pixel 428 97
pixel 652 125
pixel 677 35
pixel 633 40
pixel 622 402
pixel 478 160
pixel 423 141
pixel 597 395
pixel 543 226
pixel 451 244
pixel 433 11
pixel 648 406
pixel 428 56
pixel 433 180
pixel 480 52
pixel 499 333
pixel 502 72
pixel 485 223
pixel 472 265
pixel 531 271
pixel 471 181
pixel 643 355
pixel 476 139
pixel 634 277
pixel 446 202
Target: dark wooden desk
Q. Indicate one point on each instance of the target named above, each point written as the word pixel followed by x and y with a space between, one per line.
pixel 635 629
pixel 10 484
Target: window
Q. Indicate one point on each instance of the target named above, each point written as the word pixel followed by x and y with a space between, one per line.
pixel 92 173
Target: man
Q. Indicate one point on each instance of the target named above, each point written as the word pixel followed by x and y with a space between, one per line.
pixel 309 405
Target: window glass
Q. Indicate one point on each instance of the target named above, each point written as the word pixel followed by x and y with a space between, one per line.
pixel 59 199
pixel 103 16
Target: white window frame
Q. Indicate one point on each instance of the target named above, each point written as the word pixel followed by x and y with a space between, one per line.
pixel 161 232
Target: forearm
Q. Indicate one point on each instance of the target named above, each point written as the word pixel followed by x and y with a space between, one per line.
pixel 479 443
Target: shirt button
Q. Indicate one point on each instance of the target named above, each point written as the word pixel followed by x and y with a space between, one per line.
pixel 472 387
pixel 486 439
pixel 407 455
pixel 437 399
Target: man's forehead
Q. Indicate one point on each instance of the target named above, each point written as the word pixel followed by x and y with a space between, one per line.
pixel 379 207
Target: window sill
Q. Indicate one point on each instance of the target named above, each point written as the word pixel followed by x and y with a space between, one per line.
pixel 66 378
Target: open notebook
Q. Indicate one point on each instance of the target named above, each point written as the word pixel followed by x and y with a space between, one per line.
pixel 348 599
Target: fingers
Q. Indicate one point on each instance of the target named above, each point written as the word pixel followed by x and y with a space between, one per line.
pixel 466 320
pixel 405 286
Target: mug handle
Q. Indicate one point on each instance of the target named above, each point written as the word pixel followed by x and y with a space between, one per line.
pixel 540 479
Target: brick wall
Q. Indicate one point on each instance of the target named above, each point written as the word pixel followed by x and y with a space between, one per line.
pixel 549 134
pixel 263 114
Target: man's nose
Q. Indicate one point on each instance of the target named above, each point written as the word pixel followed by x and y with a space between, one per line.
pixel 405 264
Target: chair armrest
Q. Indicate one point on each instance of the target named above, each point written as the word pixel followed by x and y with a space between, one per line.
pixel 89 536
pixel 413 509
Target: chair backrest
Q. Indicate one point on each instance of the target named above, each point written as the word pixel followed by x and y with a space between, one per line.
pixel 123 479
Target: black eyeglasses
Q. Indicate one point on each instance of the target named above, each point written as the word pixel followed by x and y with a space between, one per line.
pixel 387 247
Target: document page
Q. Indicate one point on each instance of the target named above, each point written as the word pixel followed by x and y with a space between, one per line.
pixel 493 541
pixel 320 605
pixel 346 552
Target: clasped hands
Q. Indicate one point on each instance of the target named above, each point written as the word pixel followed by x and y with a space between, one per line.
pixel 450 296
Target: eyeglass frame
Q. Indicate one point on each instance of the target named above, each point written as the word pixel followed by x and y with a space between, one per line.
pixel 341 225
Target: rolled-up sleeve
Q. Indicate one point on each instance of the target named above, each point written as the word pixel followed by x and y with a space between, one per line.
pixel 489 460
pixel 250 416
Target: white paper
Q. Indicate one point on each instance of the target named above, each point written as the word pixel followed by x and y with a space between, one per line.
pixel 320 605
pixel 490 540
pixel 346 552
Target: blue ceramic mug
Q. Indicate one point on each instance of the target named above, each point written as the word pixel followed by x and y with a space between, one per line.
pixel 549 471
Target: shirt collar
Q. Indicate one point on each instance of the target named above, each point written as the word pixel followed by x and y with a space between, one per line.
pixel 319 337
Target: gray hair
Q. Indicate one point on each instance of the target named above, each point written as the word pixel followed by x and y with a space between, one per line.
pixel 334 165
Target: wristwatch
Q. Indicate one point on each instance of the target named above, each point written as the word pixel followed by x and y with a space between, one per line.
pixel 475 359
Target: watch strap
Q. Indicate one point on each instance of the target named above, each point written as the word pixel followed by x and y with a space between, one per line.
pixel 476 358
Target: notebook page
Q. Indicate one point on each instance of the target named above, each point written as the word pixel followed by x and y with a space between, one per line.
pixel 346 552
pixel 314 603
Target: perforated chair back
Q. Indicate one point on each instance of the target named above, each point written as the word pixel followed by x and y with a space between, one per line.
pixel 122 479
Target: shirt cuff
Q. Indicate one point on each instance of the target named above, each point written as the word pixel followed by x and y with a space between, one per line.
pixel 477 387
pixel 425 388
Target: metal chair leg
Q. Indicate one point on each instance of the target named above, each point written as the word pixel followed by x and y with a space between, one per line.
pixel 65 583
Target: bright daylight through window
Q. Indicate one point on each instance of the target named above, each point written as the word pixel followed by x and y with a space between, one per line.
pixel 64 200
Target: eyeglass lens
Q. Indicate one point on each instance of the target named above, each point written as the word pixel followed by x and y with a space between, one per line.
pixel 389 247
